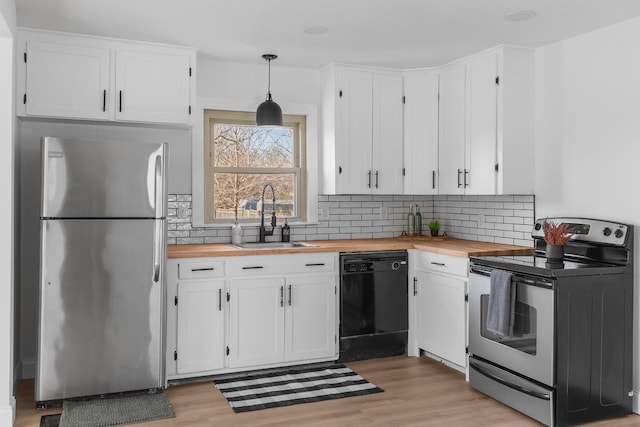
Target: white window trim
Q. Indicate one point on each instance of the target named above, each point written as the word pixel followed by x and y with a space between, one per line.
pixel 197 150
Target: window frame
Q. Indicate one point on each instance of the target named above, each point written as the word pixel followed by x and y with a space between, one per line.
pixel 310 111
pixel 295 121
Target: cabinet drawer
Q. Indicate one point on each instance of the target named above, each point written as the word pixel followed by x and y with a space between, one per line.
pixel 281 264
pixel 443 263
pixel 200 269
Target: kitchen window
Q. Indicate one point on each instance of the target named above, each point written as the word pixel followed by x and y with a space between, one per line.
pixel 240 158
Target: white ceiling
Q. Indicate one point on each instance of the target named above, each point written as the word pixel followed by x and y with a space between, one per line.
pixel 389 33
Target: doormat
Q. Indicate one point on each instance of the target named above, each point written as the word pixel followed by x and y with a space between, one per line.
pixel 110 411
pixel 292 386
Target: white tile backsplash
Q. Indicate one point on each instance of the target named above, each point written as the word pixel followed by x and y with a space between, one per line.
pixel 500 219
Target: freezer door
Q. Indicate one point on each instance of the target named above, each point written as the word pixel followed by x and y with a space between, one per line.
pixel 103 179
pixel 101 311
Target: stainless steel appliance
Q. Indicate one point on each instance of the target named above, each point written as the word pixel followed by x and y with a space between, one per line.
pixel 102 269
pixel 568 360
pixel 373 304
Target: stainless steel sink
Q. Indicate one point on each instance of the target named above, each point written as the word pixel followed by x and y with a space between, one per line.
pixel 273 245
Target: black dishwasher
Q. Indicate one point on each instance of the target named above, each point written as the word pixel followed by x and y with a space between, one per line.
pixel 373 304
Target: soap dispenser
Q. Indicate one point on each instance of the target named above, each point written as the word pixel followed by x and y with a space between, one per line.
pixel 236 233
pixel 286 231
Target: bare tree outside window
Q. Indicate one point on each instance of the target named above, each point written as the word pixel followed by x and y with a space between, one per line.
pixel 242 158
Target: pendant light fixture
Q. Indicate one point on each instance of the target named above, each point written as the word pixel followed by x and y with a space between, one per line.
pixel 269 113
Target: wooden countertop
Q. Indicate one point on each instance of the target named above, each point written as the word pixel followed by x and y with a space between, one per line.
pixel 446 246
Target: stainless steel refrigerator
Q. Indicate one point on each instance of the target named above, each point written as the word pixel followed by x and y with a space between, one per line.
pixel 102 269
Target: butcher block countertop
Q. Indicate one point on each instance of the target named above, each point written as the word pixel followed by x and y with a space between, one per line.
pixel 446 246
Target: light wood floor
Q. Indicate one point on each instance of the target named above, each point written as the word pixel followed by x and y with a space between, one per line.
pixel 417 392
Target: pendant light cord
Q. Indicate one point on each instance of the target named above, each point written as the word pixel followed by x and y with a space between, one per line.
pixel 269 83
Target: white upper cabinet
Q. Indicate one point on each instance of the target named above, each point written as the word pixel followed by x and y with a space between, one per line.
pixel 361 131
pixel 152 87
pixel 486 124
pixel 480 157
pixel 92 78
pixel 451 150
pixel 66 81
pixel 421 132
pixel 387 134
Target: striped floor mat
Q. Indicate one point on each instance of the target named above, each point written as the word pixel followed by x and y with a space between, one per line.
pixel 283 388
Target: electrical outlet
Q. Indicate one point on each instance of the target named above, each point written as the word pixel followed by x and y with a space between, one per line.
pixel 182 211
pixel 384 212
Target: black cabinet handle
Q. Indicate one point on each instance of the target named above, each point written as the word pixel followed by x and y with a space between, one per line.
pixel 281 296
pixel 316 264
pixel 369 179
pixel 433 179
pixel 203 269
pixel 120 107
pixel 289 295
pixel 466 172
pixel 441 264
pixel 104 100
pixel 415 286
pixel 376 179
pixel 255 267
pixel 459 173
pixel 219 299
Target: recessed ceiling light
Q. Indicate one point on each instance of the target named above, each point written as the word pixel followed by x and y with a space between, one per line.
pixel 316 30
pixel 521 15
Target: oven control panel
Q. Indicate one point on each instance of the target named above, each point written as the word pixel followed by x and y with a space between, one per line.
pixel 590 230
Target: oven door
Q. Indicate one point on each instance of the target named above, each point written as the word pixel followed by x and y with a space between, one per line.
pixel 530 351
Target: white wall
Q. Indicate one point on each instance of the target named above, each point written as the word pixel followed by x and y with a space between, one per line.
pixel 7 33
pixel 588 132
pixel 237 81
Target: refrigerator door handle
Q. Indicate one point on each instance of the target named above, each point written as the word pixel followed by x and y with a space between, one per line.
pixel 158 188
pixel 158 242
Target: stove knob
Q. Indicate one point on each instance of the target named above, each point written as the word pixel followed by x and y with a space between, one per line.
pixel 619 233
pixel 606 231
pixel 538 226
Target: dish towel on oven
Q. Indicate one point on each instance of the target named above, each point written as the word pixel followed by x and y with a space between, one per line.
pixel 502 304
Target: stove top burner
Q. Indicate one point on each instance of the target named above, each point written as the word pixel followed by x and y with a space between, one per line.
pixel 539 265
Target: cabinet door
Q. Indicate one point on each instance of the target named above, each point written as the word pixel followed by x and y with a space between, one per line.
pixel 355 132
pixel 421 134
pixel 256 321
pixel 310 326
pixel 452 130
pixel 67 81
pixel 387 135
pixel 441 316
pixel 200 326
pixel 482 109
pixel 152 87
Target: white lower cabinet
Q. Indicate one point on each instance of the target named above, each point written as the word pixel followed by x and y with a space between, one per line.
pixel 200 336
pixel 256 321
pixel 439 307
pixel 228 314
pixel 310 317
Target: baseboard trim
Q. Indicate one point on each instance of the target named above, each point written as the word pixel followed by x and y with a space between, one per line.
pixel 8 414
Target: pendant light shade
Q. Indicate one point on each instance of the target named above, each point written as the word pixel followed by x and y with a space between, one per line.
pixel 269 113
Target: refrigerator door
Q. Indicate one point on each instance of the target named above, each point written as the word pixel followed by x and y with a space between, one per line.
pixel 101 307
pixel 105 179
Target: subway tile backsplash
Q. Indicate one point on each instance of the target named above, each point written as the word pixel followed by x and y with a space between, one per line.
pixel 501 219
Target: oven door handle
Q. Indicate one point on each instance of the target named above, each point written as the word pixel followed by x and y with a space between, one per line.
pixel 481 270
pixel 506 383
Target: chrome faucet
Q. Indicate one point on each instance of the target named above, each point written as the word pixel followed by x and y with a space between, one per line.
pixel 263 231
